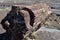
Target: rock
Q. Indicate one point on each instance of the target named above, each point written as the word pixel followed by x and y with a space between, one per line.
pixel 47 34
pixel 53 22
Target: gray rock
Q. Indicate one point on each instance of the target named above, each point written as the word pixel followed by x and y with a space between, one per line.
pixel 48 34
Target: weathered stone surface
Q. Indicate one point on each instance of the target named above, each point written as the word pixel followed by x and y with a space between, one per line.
pixel 47 34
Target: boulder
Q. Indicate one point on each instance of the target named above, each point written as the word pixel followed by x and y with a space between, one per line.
pixel 47 34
